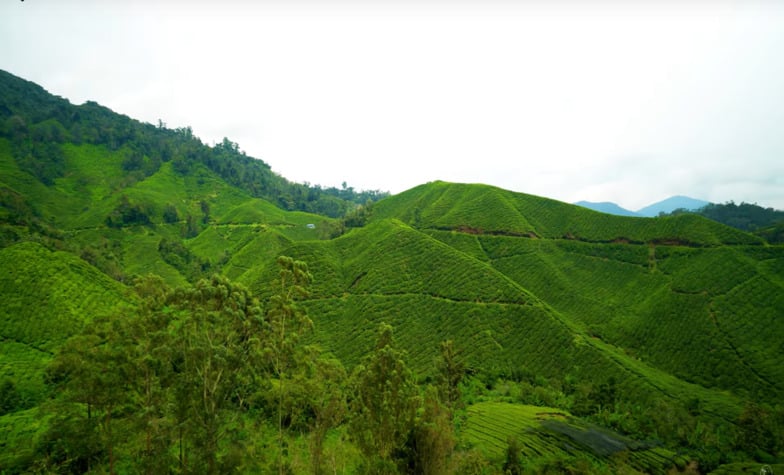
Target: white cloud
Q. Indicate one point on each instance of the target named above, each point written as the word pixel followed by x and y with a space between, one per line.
pixel 598 101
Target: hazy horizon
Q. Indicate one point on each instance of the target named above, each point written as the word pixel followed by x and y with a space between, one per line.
pixel 595 101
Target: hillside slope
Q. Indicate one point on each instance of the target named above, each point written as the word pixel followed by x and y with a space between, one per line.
pixel 558 308
pixel 485 209
pixel 46 297
pixel 621 317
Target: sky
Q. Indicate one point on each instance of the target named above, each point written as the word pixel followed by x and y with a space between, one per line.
pixel 630 102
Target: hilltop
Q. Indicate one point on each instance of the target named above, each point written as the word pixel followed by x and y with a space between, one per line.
pixel 630 340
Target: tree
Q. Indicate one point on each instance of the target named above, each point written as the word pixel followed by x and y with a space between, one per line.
pixel 170 214
pixel 434 438
pixel 10 399
pixel 450 372
pixel 327 402
pixel 191 228
pixel 384 403
pixel 220 348
pixel 512 463
pixel 285 324
pixel 91 369
pixel 151 375
pixel 205 211
pixel 756 430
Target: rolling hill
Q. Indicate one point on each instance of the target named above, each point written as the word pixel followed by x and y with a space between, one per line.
pixel 679 318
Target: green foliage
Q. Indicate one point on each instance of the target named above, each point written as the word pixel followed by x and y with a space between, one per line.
pixel 221 351
pixel 10 398
pixel 323 382
pixel 384 402
pixel 20 432
pixel 433 437
pixel 37 123
pixel 512 463
pixel 480 209
pixel 285 324
pixel 539 439
pixel 170 214
pixel 451 370
pixel 181 258
pixel 127 214
pixel 547 303
pixel 759 431
pixel 744 216
pixel 48 295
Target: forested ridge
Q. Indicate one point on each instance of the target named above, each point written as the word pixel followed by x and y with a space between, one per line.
pixel 37 124
pixel 171 307
pixel 765 222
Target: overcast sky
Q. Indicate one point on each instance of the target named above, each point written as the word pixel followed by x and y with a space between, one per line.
pixel 629 102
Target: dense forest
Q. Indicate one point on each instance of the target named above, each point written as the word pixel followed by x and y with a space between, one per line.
pixel 173 307
pixel 37 123
pixel 765 222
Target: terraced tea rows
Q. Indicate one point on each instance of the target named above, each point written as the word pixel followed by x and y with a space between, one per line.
pixel 48 296
pixel 551 434
pixel 456 207
pixel 490 424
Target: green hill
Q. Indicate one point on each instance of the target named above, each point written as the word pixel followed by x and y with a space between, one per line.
pixel 47 297
pixel 665 330
pixel 483 209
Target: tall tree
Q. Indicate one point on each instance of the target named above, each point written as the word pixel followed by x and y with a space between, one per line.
pixel 451 370
pixel 91 369
pixel 384 402
pixel 434 437
pixel 327 402
pixel 150 374
pixel 286 323
pixel 220 344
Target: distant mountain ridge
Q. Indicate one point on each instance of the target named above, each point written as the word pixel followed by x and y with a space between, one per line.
pixel 607 207
pixel 664 206
pixel 671 204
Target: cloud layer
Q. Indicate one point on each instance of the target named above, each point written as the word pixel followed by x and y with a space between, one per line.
pixel 602 102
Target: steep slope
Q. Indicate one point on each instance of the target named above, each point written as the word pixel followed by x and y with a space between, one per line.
pixel 661 304
pixel 508 312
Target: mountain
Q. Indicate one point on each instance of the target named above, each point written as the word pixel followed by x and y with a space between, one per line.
pixel 607 207
pixel 671 204
pixel 583 335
